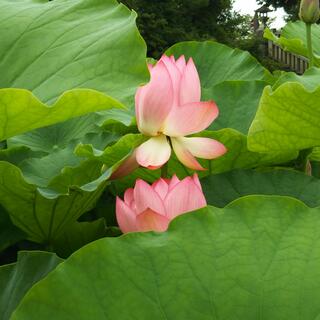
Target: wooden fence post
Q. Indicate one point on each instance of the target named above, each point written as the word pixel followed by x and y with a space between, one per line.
pixel 292 61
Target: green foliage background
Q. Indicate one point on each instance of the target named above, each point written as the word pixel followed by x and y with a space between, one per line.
pixel 164 23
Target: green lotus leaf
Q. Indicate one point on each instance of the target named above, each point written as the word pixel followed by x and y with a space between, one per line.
pixel 59 45
pixel 21 111
pixel 237 101
pixel 43 170
pixel 89 47
pixel 40 171
pixel 310 79
pixel 287 119
pixel 42 213
pixel 17 278
pixel 98 129
pixel 258 258
pixel 316 169
pixel 9 233
pixel 113 153
pixel 315 155
pixel 54 156
pixel 16 155
pixel 297 29
pixel 221 189
pixel 217 62
pixel 56 137
pixel 293 39
pixel 78 234
pixel 92 44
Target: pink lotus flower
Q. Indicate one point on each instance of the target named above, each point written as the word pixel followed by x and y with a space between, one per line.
pixel 167 109
pixel 147 208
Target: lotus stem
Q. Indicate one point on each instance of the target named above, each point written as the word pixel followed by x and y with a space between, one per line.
pixel 309 45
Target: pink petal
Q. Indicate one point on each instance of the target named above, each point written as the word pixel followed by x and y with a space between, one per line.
pixel 126 217
pixel 146 198
pixel 173 182
pixel 181 64
pixel 190 118
pixel 184 197
pixel 128 197
pixel 154 100
pixel 196 181
pixel 154 167
pixel 154 153
pixel 126 167
pixel 161 187
pixel 175 75
pixel 190 89
pixel 184 155
pixel 204 148
pixel 152 221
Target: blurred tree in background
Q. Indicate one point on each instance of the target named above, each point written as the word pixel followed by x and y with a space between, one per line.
pixel 165 22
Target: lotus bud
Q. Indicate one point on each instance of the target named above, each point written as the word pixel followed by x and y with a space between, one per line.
pixel 309 11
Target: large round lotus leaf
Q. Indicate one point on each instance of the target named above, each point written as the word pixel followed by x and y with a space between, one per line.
pixel 60 45
pixel 258 258
pixel 52 46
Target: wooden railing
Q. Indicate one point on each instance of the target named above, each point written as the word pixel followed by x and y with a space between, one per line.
pixel 292 61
